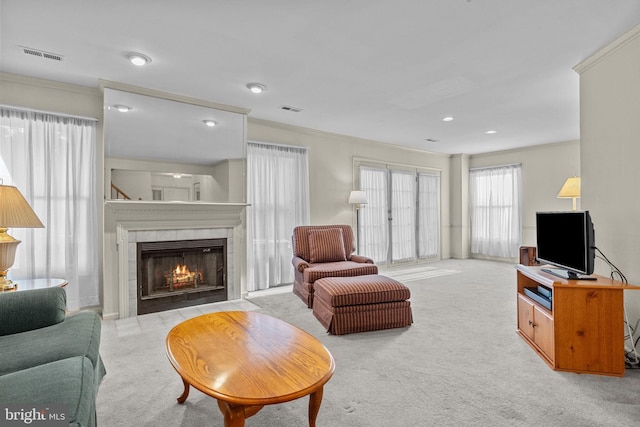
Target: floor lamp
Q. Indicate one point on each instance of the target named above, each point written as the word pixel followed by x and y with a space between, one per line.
pixel 15 212
pixel 358 198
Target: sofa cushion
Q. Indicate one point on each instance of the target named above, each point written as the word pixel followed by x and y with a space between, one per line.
pixel 78 335
pixel 326 245
pixel 69 382
pixel 17 313
pixel 360 290
pixel 337 269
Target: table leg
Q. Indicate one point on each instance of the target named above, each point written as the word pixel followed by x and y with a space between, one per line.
pixel 233 415
pixel 185 393
pixel 315 400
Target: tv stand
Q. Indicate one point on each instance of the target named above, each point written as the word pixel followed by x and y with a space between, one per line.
pixel 567 274
pixel 583 332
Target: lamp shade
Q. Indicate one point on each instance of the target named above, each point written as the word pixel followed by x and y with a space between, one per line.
pixel 15 212
pixel 570 189
pixel 358 197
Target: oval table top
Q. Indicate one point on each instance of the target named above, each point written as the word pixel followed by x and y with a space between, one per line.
pixel 248 358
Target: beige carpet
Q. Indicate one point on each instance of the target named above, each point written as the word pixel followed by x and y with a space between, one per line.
pixel 460 364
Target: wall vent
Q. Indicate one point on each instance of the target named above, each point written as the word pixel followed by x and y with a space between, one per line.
pixel 289 108
pixel 41 53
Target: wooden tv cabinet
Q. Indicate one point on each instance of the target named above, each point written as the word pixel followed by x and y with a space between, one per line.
pixel 583 332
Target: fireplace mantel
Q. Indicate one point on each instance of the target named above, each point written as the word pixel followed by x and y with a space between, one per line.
pixel 124 216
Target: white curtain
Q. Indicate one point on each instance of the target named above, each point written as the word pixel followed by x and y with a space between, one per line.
pixel 412 200
pixel 278 191
pixel 52 161
pixel 428 215
pixel 403 216
pixel 374 225
pixel 496 211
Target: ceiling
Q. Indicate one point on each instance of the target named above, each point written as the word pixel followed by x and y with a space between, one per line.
pixel 381 70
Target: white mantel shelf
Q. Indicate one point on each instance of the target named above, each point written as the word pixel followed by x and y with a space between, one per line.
pixel 156 207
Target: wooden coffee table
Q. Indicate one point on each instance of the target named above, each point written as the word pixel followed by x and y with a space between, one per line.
pixel 247 360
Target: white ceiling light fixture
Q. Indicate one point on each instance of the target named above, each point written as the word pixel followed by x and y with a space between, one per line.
pixel 491 132
pixel 256 87
pixel 447 119
pixel 137 59
pixel 122 108
pixel 210 123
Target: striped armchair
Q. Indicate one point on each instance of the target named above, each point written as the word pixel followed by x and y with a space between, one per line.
pixel 325 251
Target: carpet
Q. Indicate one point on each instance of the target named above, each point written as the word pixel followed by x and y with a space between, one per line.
pixel 417 273
pixel 460 364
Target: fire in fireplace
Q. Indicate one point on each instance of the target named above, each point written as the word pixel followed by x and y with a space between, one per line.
pixel 181 273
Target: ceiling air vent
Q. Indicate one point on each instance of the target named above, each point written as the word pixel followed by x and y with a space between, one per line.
pixel 431 140
pixel 41 53
pixel 289 108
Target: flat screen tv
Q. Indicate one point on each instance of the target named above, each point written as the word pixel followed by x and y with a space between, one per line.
pixel 566 240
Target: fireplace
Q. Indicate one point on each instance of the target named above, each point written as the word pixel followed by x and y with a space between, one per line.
pixel 180 273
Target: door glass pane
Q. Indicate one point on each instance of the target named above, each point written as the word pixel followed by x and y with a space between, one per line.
pixel 374 226
pixel 428 215
pixel 403 216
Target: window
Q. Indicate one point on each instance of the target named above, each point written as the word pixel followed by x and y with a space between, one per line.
pixel 52 161
pixel 278 191
pixel 495 206
pixel 401 220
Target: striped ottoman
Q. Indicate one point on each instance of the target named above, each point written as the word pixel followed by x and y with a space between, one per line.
pixel 361 303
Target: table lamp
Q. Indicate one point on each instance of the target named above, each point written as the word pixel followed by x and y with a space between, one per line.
pixel 358 198
pixel 570 190
pixel 15 212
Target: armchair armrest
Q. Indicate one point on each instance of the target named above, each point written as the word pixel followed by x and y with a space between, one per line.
pixel 361 258
pixel 33 309
pixel 299 264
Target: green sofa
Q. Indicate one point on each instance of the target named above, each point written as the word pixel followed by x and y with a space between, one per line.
pixel 47 357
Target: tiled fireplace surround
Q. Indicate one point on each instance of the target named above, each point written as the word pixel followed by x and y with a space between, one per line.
pixel 130 222
pixel 136 236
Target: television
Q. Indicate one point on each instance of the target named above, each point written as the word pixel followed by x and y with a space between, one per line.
pixel 566 240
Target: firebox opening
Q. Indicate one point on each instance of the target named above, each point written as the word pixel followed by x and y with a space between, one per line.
pixel 181 273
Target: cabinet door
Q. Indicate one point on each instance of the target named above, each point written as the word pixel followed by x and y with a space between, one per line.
pixel 525 317
pixel 543 332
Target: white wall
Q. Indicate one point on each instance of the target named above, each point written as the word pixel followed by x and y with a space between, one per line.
pixel 610 149
pixel 332 172
pixel 135 184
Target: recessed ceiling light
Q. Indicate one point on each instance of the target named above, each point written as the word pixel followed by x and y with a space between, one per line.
pixel 491 132
pixel 137 59
pixel 209 123
pixel 447 119
pixel 122 108
pixel 256 87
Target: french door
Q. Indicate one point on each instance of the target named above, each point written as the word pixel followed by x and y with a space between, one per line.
pixel 401 220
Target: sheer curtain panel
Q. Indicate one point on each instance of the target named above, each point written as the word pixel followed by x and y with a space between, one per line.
pixel 278 192
pixel 428 215
pixel 374 216
pixel 496 211
pixel 403 216
pixel 52 161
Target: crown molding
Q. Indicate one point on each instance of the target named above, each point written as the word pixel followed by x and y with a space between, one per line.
pixel 620 42
pixel 107 84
